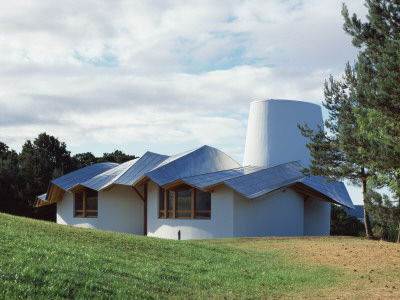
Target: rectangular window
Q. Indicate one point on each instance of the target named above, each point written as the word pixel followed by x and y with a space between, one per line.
pixel 203 204
pixel 79 204
pixel 184 202
pixel 85 204
pixel 161 203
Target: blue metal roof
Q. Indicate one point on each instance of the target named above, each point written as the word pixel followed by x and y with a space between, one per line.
pixel 145 164
pixel 254 182
pixel 104 179
pixel 357 211
pixel 204 167
pixel 199 161
pixel 260 183
pixel 211 179
pixel 335 190
pixel 71 179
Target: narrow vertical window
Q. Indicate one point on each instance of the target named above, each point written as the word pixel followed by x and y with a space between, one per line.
pixel 161 203
pixel 184 202
pixel 170 204
pixel 79 205
pixel 203 204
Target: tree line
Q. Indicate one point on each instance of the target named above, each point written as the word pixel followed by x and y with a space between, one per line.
pixel 25 175
pixel 362 140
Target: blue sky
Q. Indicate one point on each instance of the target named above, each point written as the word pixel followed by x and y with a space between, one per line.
pixel 164 76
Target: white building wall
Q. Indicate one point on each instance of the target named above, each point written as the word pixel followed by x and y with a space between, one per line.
pixel 219 226
pixel 272 134
pixel 280 214
pixel 317 217
pixel 119 209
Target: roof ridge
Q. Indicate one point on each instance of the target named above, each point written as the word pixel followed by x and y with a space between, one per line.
pixel 123 172
pixel 175 157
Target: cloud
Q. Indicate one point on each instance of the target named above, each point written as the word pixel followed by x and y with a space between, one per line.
pixel 170 72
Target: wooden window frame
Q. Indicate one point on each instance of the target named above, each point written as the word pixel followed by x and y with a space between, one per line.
pixel 173 214
pixel 84 210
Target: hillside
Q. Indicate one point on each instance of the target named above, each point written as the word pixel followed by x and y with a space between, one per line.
pixel 45 260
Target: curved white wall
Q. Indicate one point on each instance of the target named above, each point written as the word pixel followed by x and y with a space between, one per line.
pixel 219 226
pixel 119 209
pixel 272 134
pixel 280 214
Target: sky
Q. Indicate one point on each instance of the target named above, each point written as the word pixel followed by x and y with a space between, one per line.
pixel 161 76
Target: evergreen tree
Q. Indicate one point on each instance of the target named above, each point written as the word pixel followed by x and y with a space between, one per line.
pixel 378 87
pixel 378 63
pixel 339 153
pixel 385 216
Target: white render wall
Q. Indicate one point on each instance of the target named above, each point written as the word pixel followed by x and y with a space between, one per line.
pixel 119 209
pixel 317 217
pixel 280 214
pixel 272 134
pixel 219 226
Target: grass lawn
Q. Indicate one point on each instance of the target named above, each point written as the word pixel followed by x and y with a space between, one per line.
pixel 367 269
pixel 45 260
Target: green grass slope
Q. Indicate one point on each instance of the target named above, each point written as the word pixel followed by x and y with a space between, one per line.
pixel 45 260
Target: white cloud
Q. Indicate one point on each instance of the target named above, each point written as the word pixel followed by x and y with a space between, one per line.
pixel 170 72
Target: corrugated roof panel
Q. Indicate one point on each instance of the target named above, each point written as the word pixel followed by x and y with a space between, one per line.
pixel 146 163
pixel 335 190
pixel 210 179
pixel 199 161
pixel 202 167
pixel 253 182
pixel 103 179
pixel 71 179
pixel 266 180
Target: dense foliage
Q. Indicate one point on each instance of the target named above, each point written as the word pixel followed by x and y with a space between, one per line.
pixel 362 142
pixel 385 216
pixel 344 224
pixel 26 175
pixel 339 153
pixel 378 87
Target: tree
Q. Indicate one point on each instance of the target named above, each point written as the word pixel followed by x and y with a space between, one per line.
pixel 385 216
pixel 340 152
pixel 378 63
pixel 378 87
pixel 82 160
pixel 9 179
pixel 117 156
pixel 344 224
pixel 40 162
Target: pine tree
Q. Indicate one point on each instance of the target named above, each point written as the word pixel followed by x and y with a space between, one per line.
pixel 340 152
pixel 378 86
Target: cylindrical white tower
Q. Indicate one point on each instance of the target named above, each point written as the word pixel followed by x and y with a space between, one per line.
pixel 273 137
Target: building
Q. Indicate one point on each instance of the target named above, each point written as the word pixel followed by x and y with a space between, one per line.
pixel 203 193
pixel 357 211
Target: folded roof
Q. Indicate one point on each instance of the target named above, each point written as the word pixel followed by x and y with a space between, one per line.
pixel 204 168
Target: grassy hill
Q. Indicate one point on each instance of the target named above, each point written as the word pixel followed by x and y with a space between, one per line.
pixel 45 260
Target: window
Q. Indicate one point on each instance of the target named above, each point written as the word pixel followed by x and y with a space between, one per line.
pixel 184 202
pixel 85 204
